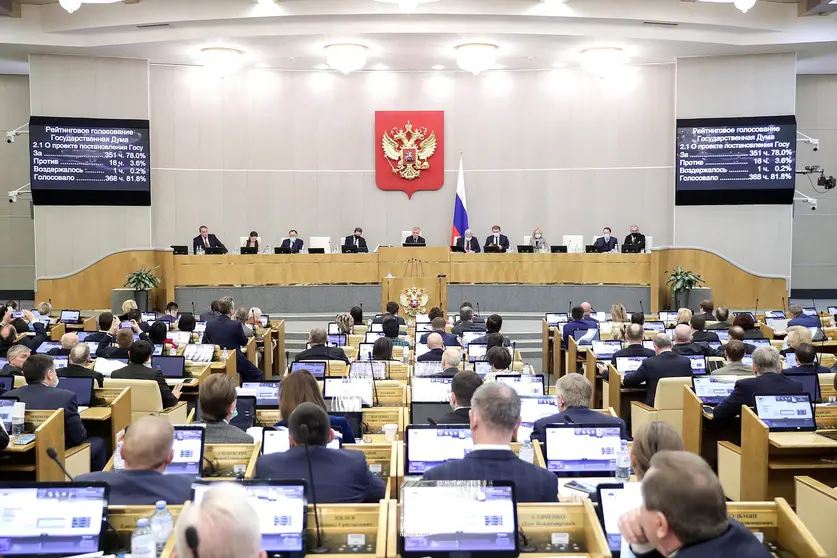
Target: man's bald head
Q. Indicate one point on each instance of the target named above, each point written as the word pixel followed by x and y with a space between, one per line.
pixel 148 444
pixel 737 333
pixel 587 308
pixel 434 341
pixel 80 354
pixel 682 334
pixel 69 340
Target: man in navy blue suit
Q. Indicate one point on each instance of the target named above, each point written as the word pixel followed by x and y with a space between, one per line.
pixel 357 240
pixel 573 393
pixel 768 381
pixel 667 364
pixel 497 239
pixel 229 334
pixel 339 476
pixel 468 243
pixel 41 393
pixel 293 242
pixel 578 323
pixel 800 318
pixel 606 242
pixel 806 355
pixel 684 512
pixel 449 339
pixel 495 417
pixel 205 240
pixel 146 451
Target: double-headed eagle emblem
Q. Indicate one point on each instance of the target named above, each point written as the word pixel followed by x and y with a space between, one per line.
pixel 414 301
pixel 411 159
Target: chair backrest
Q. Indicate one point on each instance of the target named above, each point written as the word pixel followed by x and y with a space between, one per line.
pixel 670 393
pixel 649 242
pixel 283 239
pixel 453 242
pixel 405 234
pixel 595 238
pixel 145 394
pixel 242 240
pixel 527 239
pixel 573 242
pixel 323 242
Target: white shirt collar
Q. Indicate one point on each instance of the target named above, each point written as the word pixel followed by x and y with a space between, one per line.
pixel 495 447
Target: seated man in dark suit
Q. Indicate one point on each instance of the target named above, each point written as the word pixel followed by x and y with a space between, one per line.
pixel 573 393
pixel 339 476
pixel 462 388
pixel 105 322
pixel 800 318
pixel 41 393
pixel 683 344
pixel 495 417
pixel 449 339
pixel 212 314
pixel 392 309
pixel 706 308
pixel 138 355
pixel 437 348
pixel 667 364
pixel 605 243
pixel 205 240
pixel 68 341
pixel 634 335
pixel 467 322
pixel 77 365
pixel 468 243
pixel 497 239
pixel 577 323
pixel 415 238
pixel 318 351
pixel 170 316
pixel 684 512
pixel 8 334
pixel 16 356
pixel 734 352
pixel 293 242
pixel 635 241
pixel 476 319
pixel 217 398
pixel 229 334
pixel 492 325
pixel 806 357
pixel 699 333
pixel 146 451
pixel 768 381
pixel 721 317
pixel 450 362
pixel 736 333
pixel 123 338
pixel 357 240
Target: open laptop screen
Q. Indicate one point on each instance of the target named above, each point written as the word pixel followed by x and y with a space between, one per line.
pixel 70 316
pixel 712 390
pixel 429 446
pixel 628 364
pixel 605 350
pixel 364 351
pixel 267 393
pixel 6 408
pixel 81 386
pixel 278 441
pixel 317 369
pixel 786 413
pixel 529 384
pixel 659 327
pixel 533 408
pixel 584 450
pixel 188 451
pixel 362 388
pixel 171 366
pixel 698 363
pixel 614 502
pixel 429 389
pixel 586 336
pixel 777 314
pixel 52 519
pixel 555 318
pixel 723 334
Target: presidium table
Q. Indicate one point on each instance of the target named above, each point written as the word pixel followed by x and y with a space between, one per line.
pixel 429 268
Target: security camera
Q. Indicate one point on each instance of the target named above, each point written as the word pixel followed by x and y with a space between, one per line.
pixel 813 205
pixel 10 137
pixel 12 199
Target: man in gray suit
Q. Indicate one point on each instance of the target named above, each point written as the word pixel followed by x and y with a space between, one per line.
pixel 735 351
pixel 218 401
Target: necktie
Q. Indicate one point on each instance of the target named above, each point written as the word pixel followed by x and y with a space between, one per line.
pixel 356 242
pixel 467 246
pixel 206 242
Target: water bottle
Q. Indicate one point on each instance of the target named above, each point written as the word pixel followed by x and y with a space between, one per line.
pixel 623 463
pixel 18 418
pixel 118 462
pixel 267 248
pixel 142 541
pixel 528 370
pixel 225 354
pixel 161 526
pixel 527 452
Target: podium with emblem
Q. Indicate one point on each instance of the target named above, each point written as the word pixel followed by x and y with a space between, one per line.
pixel 411 277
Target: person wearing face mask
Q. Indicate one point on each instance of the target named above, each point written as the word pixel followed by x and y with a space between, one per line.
pixel 357 240
pixel 634 242
pixel 497 239
pixel 538 241
pixel 218 407
pixel 42 393
pixel 605 243
pixel 293 243
pixel 468 242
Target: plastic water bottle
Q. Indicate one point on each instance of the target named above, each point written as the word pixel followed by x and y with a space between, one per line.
pixel 623 463
pixel 527 452
pixel 527 369
pixel 225 354
pixel 161 526
pixel 142 541
pixel 18 418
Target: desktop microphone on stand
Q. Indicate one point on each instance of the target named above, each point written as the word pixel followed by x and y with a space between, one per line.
pixel 304 434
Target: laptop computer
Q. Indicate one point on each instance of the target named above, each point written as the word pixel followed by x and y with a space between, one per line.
pixel 355 420
pixel 267 393
pixel 82 387
pixel 532 409
pixel 698 363
pixel 173 368
pixel 529 384
pixel 758 342
pixel 736 314
pixel 654 325
pixel 245 407
pixel 333 328
pixel 586 336
pixel 426 446
pixel 148 316
pixel 362 388
pixel 337 340
pixel 777 324
pixel 372 336
pixel 457 249
pixel 316 368
pixel 615 500
pixel 786 413
pixel 423 327
pixel 60 361
pixel 47 346
pixel 199 352
pixel 180 250
pixel 482 368
pixel 282 507
pixel 776 314
pixel 249 250
pixel 377 369
pixel 70 317
pixel 187 450
pixel 429 412
pixel 582 451
pixel 7 405
pixel 711 390
pixel 364 351
pixel 489 528
pixel 723 334
pixel 604 350
pixel 648 344
pixel 628 364
pixel 106 366
pixel 809 311
pixel 476 351
pixel 555 318
pixel 468 337
pixel 810 384
pixel 52 518
pixel 277 440
pixel 430 389
pixel 432 368
pixel 200 327
pixel 349 249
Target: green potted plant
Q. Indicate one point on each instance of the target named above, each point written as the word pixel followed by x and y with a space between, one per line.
pixel 684 286
pixel 137 285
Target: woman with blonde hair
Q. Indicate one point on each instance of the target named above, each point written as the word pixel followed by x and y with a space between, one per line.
pixel 649 439
pixel 130 311
pixel 301 387
pixel 796 336
pixel 538 241
pixel 345 322
pixel 684 316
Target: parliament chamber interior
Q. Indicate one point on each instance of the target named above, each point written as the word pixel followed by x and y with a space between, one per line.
pixel 418 278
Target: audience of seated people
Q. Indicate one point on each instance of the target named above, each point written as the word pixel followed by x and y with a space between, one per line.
pixel 319 351
pixel 450 340
pixel 8 334
pixel 806 361
pixel 68 341
pixel 229 334
pixel 217 399
pixel 467 322
pixel 573 394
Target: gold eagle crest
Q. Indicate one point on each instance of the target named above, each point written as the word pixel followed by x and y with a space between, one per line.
pixel 401 147
pixel 414 301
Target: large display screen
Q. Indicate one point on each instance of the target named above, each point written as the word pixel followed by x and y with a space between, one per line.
pixel 729 161
pixel 89 161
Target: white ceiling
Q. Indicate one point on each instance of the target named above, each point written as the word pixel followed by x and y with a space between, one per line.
pixel 531 34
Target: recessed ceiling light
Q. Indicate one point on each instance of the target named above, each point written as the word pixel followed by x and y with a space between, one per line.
pixel 438 67
pixel 380 67
pixel 321 67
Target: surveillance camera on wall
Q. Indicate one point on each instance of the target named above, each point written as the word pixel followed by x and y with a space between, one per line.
pixel 12 198
pixel 814 205
pixel 10 137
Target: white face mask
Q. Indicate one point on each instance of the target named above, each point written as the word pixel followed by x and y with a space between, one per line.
pixel 537 235
pixel 293 238
pixel 607 237
pixel 468 237
pixel 55 385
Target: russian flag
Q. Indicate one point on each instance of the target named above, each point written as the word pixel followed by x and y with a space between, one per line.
pixel 460 207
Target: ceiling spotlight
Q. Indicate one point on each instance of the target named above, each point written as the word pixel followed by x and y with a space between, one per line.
pixel 346 57
pixel 70 5
pixel 601 61
pixel 222 61
pixel 744 5
pixel 438 67
pixel 407 6
pixel 476 57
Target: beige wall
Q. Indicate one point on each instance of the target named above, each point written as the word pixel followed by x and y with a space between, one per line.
pixel 17 250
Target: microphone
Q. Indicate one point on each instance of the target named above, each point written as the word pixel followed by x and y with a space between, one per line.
pixel 432 422
pixel 319 549
pixel 194 313
pixel 570 308
pixel 756 311
pixel 783 304
pixel 478 308
pixel 641 307
pixel 821 331
pixel 192 540
pixel 288 360
pixel 54 456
